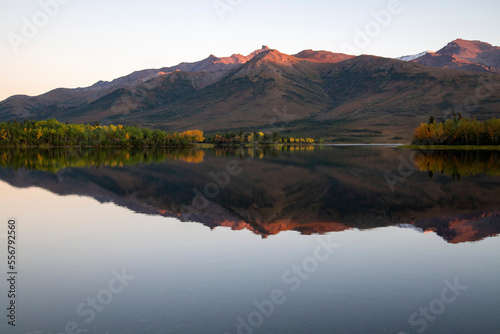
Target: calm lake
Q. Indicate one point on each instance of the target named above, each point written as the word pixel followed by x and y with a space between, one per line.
pixel 355 239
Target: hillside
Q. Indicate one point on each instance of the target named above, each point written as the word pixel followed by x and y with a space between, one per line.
pixel 315 93
pixel 62 99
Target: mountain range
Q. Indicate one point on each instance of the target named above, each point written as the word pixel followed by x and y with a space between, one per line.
pixel 316 93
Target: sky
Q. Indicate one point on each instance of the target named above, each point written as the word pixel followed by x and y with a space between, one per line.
pixel 47 44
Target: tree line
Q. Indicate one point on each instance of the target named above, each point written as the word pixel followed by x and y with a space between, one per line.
pixel 53 133
pixel 458 131
pixel 242 137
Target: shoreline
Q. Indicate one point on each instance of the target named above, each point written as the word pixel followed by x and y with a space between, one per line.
pixel 451 147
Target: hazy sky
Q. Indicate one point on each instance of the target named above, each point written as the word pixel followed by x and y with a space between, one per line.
pixel 84 41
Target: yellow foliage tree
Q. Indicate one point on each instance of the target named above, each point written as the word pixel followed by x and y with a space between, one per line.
pixel 195 135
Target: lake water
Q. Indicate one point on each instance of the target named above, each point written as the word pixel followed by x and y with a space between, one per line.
pixel 302 240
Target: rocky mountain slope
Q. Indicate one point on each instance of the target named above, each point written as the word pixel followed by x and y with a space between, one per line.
pixel 314 93
pixel 464 55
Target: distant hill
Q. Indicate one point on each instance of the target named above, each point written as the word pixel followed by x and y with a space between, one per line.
pixel 315 93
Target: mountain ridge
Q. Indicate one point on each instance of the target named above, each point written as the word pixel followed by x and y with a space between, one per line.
pixel 337 96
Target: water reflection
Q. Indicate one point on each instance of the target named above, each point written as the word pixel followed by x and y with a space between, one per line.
pixel 309 189
pixel 53 160
pixel 459 163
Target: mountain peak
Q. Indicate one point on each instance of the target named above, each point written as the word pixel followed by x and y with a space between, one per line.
pixel 256 52
pixel 467 42
pixel 237 58
pixel 465 48
pixel 272 55
pixel 467 55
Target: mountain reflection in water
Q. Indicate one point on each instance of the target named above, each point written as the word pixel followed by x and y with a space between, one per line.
pixel 306 189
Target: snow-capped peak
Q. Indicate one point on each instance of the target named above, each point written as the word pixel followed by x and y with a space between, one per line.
pixel 413 57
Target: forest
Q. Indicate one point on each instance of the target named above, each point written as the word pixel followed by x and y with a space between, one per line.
pixel 458 131
pixel 53 133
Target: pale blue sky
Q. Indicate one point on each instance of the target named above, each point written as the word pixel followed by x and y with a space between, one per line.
pixel 90 40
